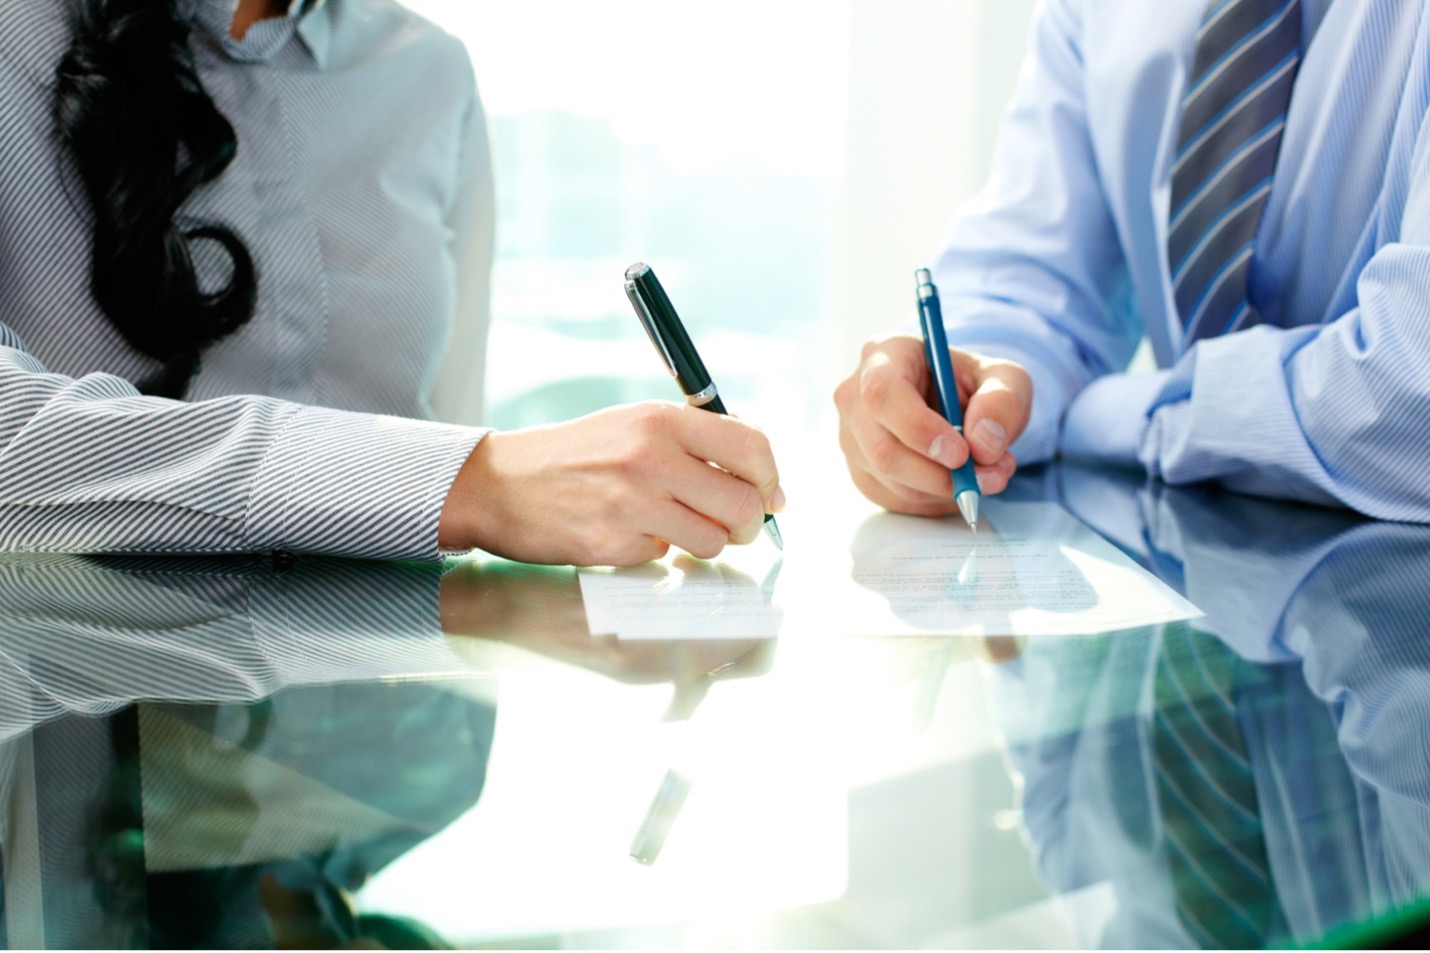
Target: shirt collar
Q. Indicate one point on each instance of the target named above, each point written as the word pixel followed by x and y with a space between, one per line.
pixel 315 28
pixel 265 38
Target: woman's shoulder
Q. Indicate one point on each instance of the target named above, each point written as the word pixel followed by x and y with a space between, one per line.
pixel 33 36
pixel 376 29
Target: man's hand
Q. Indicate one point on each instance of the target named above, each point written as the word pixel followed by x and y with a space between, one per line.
pixel 615 488
pixel 899 448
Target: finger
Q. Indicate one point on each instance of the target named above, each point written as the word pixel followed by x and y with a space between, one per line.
pixel 996 411
pixel 993 478
pixel 732 445
pixel 898 499
pixel 730 502
pixel 891 392
pixel 630 549
pixel 880 495
pixel 686 528
pixel 906 476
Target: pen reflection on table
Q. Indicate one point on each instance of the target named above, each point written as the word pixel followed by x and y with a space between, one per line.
pixel 965 480
pixel 660 817
pixel 657 315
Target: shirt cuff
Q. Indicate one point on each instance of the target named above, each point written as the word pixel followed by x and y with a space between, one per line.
pixel 1106 421
pixel 387 616
pixel 356 485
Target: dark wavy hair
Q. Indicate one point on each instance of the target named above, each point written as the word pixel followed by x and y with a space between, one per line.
pixel 142 135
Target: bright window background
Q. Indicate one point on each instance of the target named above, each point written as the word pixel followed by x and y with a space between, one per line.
pixel 783 165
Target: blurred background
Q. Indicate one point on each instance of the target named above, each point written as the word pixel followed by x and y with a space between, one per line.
pixel 783 165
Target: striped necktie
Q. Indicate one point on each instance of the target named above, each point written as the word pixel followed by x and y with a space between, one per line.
pixel 1215 846
pixel 1233 114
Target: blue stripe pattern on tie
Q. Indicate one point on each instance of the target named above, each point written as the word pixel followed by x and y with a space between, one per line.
pixel 1233 114
pixel 1213 834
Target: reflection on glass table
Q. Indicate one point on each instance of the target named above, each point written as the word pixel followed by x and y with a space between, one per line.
pixel 233 752
pixel 219 752
pixel 1254 778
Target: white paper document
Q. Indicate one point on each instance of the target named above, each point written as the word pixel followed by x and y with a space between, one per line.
pixel 1031 569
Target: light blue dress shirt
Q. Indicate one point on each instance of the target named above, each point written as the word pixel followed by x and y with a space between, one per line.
pixel 362 187
pixel 1060 263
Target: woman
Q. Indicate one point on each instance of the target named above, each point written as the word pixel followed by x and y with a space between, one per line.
pixel 236 238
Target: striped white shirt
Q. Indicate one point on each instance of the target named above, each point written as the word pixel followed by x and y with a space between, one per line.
pixel 362 188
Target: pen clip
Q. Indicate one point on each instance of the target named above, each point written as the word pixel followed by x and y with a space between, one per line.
pixel 647 322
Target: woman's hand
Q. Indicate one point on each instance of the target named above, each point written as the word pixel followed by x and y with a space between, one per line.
pixel 615 488
pixel 897 445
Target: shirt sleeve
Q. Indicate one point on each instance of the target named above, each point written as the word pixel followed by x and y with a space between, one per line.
pixel 89 465
pixel 1032 269
pixel 79 635
pixel 85 636
pixel 1334 414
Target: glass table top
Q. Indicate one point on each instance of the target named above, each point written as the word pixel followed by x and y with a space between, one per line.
pixel 300 752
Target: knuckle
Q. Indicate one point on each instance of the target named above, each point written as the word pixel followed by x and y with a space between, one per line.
pixel 749 507
pixel 710 542
pixel 636 461
pixel 876 388
pixel 909 496
pixel 607 549
pixel 757 442
pixel 742 537
pixel 1002 398
pixel 624 551
pixel 1012 381
pixel 882 454
pixel 759 457
pixel 652 419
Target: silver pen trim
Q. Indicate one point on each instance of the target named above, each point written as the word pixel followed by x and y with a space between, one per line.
pixel 703 397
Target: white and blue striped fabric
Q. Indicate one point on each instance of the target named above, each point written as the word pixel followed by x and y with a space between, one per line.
pixel 362 187
pixel 1061 262
pixel 90 635
pixel 1330 608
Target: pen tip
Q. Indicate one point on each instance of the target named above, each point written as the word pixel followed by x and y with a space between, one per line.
pixel 773 532
pixel 968 506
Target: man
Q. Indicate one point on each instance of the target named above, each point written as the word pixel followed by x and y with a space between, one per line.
pixel 1242 182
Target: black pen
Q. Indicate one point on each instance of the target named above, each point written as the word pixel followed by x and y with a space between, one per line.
pixel 658 317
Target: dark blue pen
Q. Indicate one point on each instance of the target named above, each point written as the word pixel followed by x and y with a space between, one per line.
pixel 965 481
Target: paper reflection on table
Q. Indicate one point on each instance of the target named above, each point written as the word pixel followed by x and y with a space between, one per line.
pixel 1033 569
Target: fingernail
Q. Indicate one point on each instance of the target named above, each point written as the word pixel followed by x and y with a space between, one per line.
pixel 777 502
pixel 990 436
pixel 941 450
pixel 984 482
